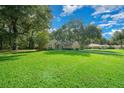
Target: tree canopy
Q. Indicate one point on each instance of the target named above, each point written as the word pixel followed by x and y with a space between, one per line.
pixel 75 31
pixel 17 21
pixel 118 37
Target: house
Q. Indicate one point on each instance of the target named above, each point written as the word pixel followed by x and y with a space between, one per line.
pixel 67 45
pixel 54 44
pixel 76 45
pixel 97 46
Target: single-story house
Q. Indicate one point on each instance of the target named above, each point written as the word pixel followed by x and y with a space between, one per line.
pixel 54 44
pixel 97 46
pixel 104 46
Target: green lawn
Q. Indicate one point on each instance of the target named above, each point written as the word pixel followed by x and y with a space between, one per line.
pixel 86 68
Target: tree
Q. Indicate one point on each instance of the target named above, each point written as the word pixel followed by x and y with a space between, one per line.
pixel 118 37
pixel 42 39
pixel 103 41
pixel 94 34
pixel 39 21
pixel 70 32
pixel 11 15
pixel 24 19
pixel 75 31
pixel 3 34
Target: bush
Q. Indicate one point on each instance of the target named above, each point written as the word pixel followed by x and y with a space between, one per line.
pixel 111 47
pixel 68 48
pixel 42 39
pixel 94 47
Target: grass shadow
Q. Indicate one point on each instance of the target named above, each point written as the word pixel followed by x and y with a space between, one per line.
pixel 87 52
pixel 7 55
pixel 83 52
pixel 103 52
pixel 16 51
pixel 6 58
pixel 23 52
pixel 11 55
pixel 66 52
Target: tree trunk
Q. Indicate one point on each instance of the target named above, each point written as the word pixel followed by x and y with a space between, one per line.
pixel 121 43
pixel 1 43
pixel 10 42
pixel 31 43
pixel 14 46
pixel 15 34
pixel 10 37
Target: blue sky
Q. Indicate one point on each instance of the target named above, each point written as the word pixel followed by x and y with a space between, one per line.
pixel 109 18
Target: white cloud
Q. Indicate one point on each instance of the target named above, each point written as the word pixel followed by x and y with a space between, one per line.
pixel 118 16
pixel 111 32
pixel 108 9
pixel 109 24
pixel 104 25
pixel 69 9
pixel 92 22
pixel 105 9
pixel 122 28
pixel 52 29
pixel 105 16
pixel 99 10
pixel 117 19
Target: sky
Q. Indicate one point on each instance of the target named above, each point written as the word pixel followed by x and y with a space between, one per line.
pixel 109 17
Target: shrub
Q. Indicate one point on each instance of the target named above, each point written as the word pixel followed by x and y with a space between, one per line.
pixel 42 39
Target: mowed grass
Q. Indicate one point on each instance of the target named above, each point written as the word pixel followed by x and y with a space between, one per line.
pixel 62 68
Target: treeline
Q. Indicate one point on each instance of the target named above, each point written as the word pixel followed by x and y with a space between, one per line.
pixel 76 31
pixel 85 35
pixel 118 38
pixel 26 27
pixel 22 26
